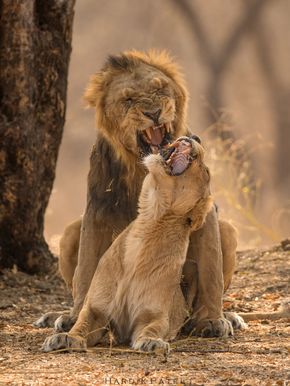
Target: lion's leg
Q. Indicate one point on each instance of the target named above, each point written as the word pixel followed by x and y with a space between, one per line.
pixel 149 331
pixel 69 245
pixel 48 319
pixel 229 246
pixel 94 241
pixel 228 236
pixel 68 254
pixel 205 249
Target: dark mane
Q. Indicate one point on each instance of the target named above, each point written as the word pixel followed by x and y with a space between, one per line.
pixel 121 62
pixel 108 193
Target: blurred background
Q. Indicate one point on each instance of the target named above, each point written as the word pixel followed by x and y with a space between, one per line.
pixel 235 57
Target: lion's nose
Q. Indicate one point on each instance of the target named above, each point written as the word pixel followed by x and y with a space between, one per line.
pixel 154 115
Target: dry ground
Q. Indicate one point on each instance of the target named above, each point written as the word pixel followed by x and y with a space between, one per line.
pixel 259 355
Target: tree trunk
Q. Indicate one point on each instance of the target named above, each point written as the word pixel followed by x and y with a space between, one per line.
pixel 35 46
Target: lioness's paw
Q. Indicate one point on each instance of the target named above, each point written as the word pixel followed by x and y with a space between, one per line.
pixel 209 328
pixel 237 321
pixel 64 341
pixel 46 320
pixel 148 344
pixel 64 323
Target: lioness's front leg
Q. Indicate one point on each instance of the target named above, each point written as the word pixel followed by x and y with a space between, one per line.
pixel 88 330
pixel 149 331
pixel 205 249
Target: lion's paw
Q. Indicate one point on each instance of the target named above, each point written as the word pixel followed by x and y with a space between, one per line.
pixel 46 320
pixel 64 323
pixel 237 321
pixel 150 344
pixel 210 328
pixel 63 341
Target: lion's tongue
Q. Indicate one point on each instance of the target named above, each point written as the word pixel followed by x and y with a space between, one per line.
pixel 156 136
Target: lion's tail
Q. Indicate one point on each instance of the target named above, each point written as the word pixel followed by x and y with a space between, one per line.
pixel 283 312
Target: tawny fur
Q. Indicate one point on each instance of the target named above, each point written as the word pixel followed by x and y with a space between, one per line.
pixel 128 85
pixel 69 246
pixel 151 77
pixel 136 286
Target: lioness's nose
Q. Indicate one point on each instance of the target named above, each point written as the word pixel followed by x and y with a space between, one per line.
pixel 154 115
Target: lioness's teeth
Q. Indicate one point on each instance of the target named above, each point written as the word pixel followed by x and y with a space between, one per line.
pixel 186 151
pixel 167 127
pixel 148 132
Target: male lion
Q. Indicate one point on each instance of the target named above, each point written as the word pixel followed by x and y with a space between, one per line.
pixel 141 104
pixel 136 286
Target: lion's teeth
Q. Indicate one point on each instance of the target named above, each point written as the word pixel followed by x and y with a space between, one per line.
pixel 148 132
pixel 167 127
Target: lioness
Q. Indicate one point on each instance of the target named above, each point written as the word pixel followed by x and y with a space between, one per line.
pixel 136 285
pixel 141 104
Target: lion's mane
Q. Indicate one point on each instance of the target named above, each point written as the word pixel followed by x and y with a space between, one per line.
pixel 146 79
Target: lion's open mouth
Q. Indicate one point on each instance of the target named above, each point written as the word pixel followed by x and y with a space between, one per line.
pixel 178 156
pixel 154 138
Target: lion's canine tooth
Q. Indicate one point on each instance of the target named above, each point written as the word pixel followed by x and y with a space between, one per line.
pixel 148 132
pixel 167 127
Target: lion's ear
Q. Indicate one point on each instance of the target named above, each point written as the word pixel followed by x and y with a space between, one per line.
pixel 157 83
pixel 94 90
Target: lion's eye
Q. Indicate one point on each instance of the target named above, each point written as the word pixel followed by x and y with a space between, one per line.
pixel 129 101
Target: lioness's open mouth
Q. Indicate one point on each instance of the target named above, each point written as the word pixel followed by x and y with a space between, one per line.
pixel 154 138
pixel 178 156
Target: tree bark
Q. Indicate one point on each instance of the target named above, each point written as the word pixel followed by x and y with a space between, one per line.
pixel 35 47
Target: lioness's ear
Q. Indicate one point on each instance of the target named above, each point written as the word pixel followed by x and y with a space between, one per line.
pixel 94 89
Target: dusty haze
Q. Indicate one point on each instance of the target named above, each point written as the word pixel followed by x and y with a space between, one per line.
pixel 235 56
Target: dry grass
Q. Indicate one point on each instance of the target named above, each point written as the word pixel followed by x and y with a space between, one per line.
pixel 256 356
pixel 236 186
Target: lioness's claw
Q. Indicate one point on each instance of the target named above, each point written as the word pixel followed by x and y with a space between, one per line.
pixel 63 341
pixel 148 344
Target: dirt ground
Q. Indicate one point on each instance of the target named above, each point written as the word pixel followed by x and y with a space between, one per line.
pixel 259 355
